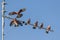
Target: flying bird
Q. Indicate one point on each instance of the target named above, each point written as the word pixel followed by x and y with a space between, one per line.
pixel 15 22
pixel 35 25
pixel 18 13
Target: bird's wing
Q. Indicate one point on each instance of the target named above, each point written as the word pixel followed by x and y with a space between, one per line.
pixel 12 13
pixel 21 10
pixel 11 23
pixel 19 22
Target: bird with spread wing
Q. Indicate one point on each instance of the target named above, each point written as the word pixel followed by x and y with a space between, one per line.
pixel 15 22
pixel 18 13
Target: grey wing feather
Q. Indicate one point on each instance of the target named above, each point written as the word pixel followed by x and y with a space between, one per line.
pixel 20 23
pixel 21 10
pixel 12 13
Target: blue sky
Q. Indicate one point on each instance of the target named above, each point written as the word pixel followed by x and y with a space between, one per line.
pixel 46 11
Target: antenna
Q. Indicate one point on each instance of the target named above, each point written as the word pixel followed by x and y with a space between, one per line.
pixel 3 13
pixel 3 18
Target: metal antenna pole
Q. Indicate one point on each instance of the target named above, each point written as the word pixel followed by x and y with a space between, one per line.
pixel 3 13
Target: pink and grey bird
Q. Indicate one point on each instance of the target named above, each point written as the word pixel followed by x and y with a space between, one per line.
pixel 48 28
pixel 28 21
pixel 35 25
pixel 41 25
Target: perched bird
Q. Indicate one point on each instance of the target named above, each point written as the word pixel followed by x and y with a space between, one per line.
pixel 18 13
pixel 35 25
pixel 41 25
pixel 48 29
pixel 15 22
pixel 28 21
